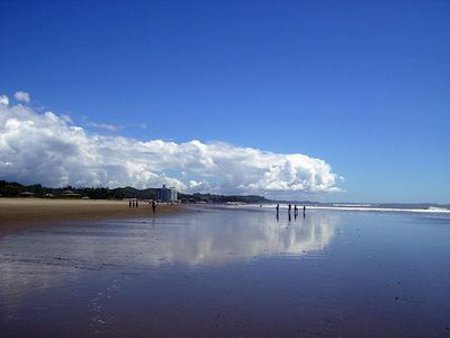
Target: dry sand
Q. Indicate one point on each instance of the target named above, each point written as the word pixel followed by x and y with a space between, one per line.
pixel 20 212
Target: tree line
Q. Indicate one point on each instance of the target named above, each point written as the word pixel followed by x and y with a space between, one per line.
pixel 14 189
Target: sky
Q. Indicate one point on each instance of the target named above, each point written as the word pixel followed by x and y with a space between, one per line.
pixel 324 100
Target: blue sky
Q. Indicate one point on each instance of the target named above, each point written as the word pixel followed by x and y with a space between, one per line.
pixel 362 85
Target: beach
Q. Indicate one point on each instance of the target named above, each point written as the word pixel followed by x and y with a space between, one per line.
pixel 23 212
pixel 228 272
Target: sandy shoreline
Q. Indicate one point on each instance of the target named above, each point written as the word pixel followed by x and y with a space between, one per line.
pixel 21 212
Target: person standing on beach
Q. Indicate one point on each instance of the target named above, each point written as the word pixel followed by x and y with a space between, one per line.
pixel 278 208
pixel 304 210
pixel 129 203
pixel 154 206
pixel 137 204
pixel 295 210
pixel 289 208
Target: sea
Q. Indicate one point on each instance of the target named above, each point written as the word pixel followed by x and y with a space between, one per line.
pixel 232 271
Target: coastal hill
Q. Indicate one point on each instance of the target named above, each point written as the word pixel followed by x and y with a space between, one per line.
pixel 14 189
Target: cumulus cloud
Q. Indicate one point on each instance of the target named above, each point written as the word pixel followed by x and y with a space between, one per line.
pixel 49 149
pixel 22 96
pixel 4 100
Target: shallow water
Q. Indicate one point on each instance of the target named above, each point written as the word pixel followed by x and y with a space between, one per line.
pixel 230 272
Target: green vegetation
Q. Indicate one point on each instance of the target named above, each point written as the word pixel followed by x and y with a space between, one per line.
pixel 14 189
pixel 208 198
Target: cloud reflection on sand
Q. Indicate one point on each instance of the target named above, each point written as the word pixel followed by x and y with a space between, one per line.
pixel 258 234
pixel 54 257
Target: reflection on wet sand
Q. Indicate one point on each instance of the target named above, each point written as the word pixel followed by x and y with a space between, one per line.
pixel 229 272
pixel 224 238
pixel 42 258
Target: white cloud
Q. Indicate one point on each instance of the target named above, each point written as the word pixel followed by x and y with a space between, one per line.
pixel 4 100
pixel 22 96
pixel 51 150
pixel 106 126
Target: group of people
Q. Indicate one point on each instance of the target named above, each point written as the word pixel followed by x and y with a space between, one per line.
pixel 290 208
pixel 135 204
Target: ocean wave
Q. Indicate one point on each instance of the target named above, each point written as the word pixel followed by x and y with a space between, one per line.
pixel 366 208
pixel 428 210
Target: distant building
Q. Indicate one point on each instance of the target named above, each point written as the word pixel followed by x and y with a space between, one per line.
pixel 166 194
pixel 26 194
pixel 69 194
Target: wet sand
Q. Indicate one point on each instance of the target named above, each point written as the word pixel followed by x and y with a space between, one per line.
pixel 16 213
pixel 218 272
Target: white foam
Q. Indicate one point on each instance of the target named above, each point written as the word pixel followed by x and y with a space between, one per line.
pixel 361 207
pixel 438 209
pixel 430 210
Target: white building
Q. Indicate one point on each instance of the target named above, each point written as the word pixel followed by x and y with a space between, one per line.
pixel 166 194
